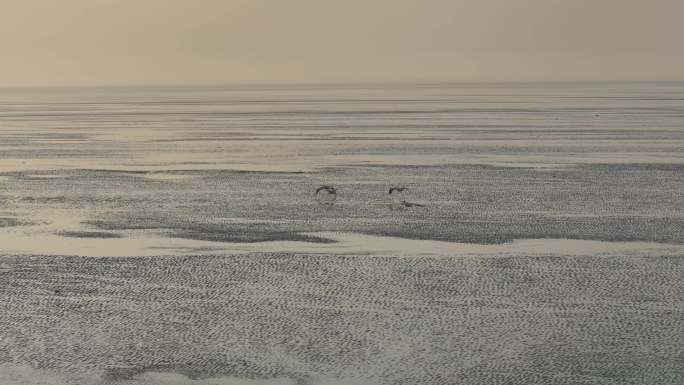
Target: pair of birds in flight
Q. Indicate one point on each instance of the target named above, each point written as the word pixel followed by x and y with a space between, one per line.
pixel 326 196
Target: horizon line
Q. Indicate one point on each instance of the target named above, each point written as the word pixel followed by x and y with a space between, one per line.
pixel 340 84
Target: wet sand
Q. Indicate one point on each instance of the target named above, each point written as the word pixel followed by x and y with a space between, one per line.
pixel 359 319
pixel 171 236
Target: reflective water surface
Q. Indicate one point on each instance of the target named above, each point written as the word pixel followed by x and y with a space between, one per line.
pixel 173 235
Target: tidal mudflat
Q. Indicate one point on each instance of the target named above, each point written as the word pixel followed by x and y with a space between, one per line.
pixel 172 236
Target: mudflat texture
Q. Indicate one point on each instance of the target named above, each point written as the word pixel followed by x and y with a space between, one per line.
pixel 382 320
pixel 172 236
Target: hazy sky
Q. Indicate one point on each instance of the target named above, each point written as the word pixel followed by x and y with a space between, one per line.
pixel 124 42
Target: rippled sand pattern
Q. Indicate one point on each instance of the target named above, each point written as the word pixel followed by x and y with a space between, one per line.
pixel 171 236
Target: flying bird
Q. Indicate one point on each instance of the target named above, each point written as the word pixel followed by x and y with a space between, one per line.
pixel 326 195
pixel 398 189
pixel 329 189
